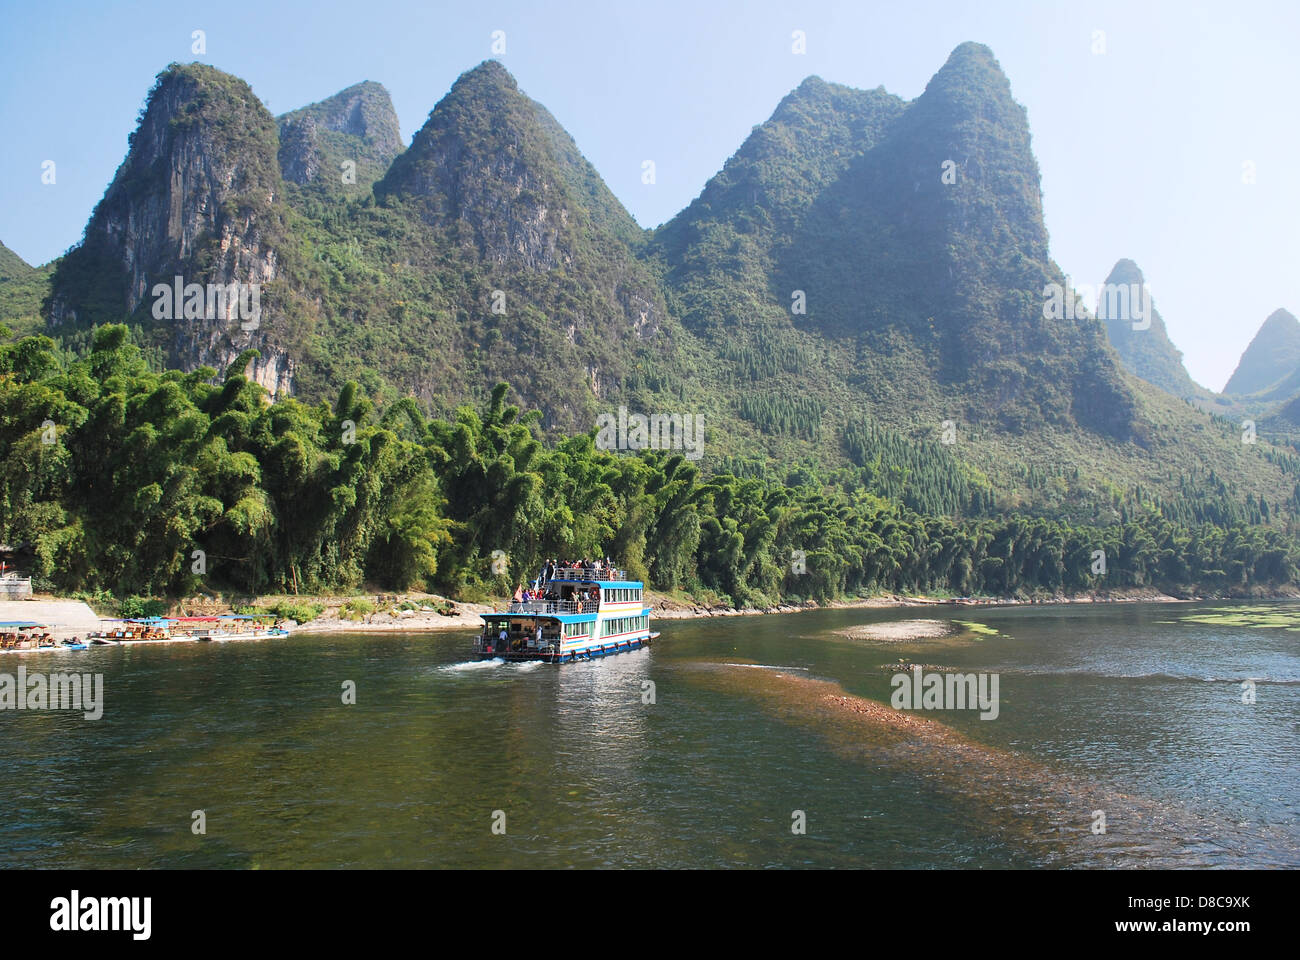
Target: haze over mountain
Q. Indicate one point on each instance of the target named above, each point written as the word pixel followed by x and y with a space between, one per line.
pixel 862 272
pixel 1273 356
pixel 1145 348
pixel 1265 390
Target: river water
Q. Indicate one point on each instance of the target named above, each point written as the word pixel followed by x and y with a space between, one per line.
pixel 755 751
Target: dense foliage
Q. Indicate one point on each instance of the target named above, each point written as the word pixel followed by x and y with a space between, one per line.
pixel 124 479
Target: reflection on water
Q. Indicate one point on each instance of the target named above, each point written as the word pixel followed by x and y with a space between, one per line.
pixel 696 752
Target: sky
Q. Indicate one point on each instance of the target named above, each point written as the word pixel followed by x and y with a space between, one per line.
pixel 1165 132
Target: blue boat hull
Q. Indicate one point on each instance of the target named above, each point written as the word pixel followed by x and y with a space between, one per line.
pixel 593 652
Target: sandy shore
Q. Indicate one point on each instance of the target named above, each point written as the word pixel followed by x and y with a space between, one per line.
pixel 899 631
pixel 67 618
pixel 404 621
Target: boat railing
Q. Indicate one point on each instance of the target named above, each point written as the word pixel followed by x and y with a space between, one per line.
pixel 589 573
pixel 552 606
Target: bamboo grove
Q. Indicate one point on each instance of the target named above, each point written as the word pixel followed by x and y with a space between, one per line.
pixel 119 478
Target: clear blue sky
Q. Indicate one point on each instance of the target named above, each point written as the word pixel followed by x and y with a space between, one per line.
pixel 1141 148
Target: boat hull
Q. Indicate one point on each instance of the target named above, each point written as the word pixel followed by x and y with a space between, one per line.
pixel 593 651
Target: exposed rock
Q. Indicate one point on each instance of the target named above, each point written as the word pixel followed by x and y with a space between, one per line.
pixel 197 197
pixel 357 126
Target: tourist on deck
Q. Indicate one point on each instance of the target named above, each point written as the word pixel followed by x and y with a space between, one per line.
pixel 519 593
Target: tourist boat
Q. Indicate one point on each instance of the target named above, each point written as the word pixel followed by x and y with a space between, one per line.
pixel 583 613
pixel 16 635
pixel 131 630
pixel 230 627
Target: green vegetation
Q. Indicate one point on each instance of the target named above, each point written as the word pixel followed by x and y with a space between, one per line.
pixel 22 290
pixel 1273 617
pixel 299 612
pixel 357 609
pixel 146 483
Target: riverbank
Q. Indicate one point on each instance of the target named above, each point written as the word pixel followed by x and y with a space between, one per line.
pixel 66 618
pixel 422 612
pixel 672 608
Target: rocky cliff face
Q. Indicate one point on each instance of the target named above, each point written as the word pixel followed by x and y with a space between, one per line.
pixel 197 197
pixel 347 140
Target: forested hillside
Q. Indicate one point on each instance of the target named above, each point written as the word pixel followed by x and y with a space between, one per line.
pixel 137 482
pixel 855 307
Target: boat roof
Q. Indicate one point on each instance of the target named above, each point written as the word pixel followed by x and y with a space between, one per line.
pixel 20 624
pixel 612 584
pixel 560 617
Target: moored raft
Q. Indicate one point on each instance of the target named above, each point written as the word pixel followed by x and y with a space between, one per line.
pixel 19 635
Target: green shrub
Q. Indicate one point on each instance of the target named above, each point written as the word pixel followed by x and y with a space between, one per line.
pixel 357 609
pixel 142 607
pixel 299 612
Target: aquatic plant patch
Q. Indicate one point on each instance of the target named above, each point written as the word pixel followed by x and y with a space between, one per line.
pixel 1257 617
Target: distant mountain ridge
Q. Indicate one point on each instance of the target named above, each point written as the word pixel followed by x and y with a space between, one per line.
pixel 1143 343
pixel 12 266
pixel 1264 387
pixel 1272 356
pixel 863 271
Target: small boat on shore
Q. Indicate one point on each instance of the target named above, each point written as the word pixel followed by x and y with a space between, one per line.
pixel 234 626
pixel 19 635
pixel 188 629
pixel 131 630
pixel 575 613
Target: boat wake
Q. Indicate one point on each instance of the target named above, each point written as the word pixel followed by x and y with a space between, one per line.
pixel 472 666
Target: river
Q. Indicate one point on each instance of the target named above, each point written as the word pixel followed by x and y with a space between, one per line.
pixel 733 742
